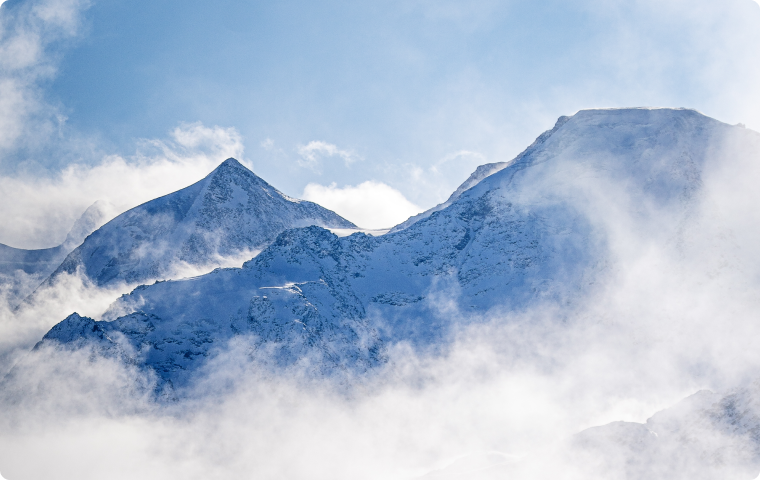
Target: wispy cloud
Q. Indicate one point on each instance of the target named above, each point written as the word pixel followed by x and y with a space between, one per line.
pixel 27 33
pixel 466 157
pixel 313 153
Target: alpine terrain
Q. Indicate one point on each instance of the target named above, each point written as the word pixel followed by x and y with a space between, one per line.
pixel 549 230
pixel 530 232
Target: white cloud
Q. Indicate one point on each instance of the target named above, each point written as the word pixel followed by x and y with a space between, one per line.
pixel 370 204
pixel 464 156
pixel 38 211
pixel 313 152
pixel 25 35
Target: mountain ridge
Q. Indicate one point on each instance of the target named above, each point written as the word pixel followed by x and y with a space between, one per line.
pixel 528 234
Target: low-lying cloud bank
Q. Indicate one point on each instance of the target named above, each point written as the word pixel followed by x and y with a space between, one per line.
pixel 511 384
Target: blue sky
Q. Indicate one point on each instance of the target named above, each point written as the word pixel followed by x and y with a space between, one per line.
pixel 411 95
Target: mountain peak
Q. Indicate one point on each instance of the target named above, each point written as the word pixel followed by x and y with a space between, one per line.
pixel 642 115
pixel 525 234
pixel 230 213
pixel 231 162
pixel 231 165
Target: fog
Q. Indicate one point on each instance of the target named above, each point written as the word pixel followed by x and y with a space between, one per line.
pixel 673 312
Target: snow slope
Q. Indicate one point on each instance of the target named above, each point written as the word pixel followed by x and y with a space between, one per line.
pixel 535 231
pixel 479 174
pixel 705 436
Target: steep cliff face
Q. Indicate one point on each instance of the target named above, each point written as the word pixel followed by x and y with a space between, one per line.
pixel 537 231
pixel 230 213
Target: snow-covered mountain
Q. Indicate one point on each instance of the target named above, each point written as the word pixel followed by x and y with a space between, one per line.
pixel 230 213
pixel 531 232
pixel 21 271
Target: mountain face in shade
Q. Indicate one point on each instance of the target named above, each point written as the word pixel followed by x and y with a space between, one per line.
pixel 531 233
pixel 230 213
pixel 21 271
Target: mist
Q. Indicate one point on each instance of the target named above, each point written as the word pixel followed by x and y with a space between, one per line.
pixel 673 312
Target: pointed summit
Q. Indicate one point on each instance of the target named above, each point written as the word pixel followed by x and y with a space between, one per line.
pixel 230 162
pixel 231 213
pixel 229 165
pixel 232 172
